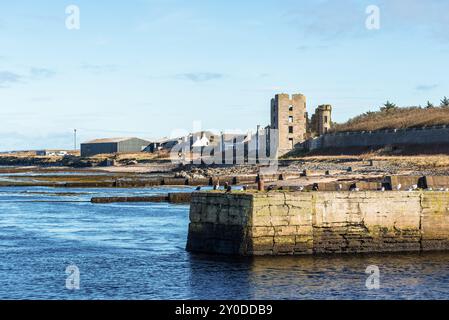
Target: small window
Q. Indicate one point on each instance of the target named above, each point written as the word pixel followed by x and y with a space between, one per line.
pixel 290 108
pixel 290 119
pixel 290 129
pixel 290 142
pixel 325 119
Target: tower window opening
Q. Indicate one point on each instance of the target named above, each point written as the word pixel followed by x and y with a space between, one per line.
pixel 290 129
pixel 290 142
pixel 290 108
pixel 290 119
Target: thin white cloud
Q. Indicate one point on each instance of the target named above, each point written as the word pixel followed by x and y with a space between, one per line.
pixel 329 20
pixel 200 76
pixel 426 87
pixel 42 72
pixel 8 77
pixel 428 16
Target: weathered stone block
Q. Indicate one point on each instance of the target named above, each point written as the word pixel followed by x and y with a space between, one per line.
pixel 285 231
pixel 262 244
pixel 320 222
pixel 257 232
pixel 279 220
pixel 284 244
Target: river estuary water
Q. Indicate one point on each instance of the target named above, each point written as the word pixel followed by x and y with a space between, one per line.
pixel 137 251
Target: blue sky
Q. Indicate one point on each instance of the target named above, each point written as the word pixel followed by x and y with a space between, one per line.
pixel 147 68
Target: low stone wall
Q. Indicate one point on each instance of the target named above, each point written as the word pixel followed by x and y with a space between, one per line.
pixel 426 135
pixel 297 223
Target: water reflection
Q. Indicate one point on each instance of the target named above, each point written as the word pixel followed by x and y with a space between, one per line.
pixel 402 276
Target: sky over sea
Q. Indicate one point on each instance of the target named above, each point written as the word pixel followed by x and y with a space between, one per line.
pixel 149 68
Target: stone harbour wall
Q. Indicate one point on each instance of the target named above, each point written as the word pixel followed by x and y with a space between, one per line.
pixel 425 135
pixel 298 223
pixel 219 222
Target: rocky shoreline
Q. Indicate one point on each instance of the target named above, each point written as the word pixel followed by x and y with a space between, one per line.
pixel 128 173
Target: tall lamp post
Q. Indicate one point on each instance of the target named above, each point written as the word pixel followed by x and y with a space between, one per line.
pixel 74 139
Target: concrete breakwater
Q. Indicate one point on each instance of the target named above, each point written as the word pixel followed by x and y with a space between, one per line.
pixel 178 198
pixel 298 223
pixel 114 181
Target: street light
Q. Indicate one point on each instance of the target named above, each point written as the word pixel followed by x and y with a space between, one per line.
pixel 74 139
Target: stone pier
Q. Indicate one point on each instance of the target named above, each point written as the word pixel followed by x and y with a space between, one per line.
pixel 298 223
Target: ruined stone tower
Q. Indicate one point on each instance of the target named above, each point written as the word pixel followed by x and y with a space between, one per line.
pixel 323 119
pixel 288 116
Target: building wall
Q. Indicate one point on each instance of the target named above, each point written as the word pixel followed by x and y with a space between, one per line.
pixel 125 146
pixel 289 114
pixel 132 145
pixel 286 223
pixel 91 149
pixel 431 135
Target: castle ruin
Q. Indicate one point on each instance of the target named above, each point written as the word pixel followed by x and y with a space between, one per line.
pixel 289 116
pixel 323 116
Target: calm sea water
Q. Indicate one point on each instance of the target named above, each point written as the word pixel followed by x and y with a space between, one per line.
pixel 136 251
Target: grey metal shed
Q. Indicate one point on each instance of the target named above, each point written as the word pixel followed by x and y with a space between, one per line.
pixel 113 145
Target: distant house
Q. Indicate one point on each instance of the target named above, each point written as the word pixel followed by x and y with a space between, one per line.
pixel 202 141
pixel 113 145
pixel 51 153
pixel 193 140
pixel 162 144
pixel 42 153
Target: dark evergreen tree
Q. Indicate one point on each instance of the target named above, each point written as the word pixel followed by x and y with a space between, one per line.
pixel 388 106
pixel 445 102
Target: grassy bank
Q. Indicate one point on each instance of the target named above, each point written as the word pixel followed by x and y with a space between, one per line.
pixel 396 118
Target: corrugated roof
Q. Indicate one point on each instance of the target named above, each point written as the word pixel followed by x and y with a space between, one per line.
pixel 165 140
pixel 111 140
